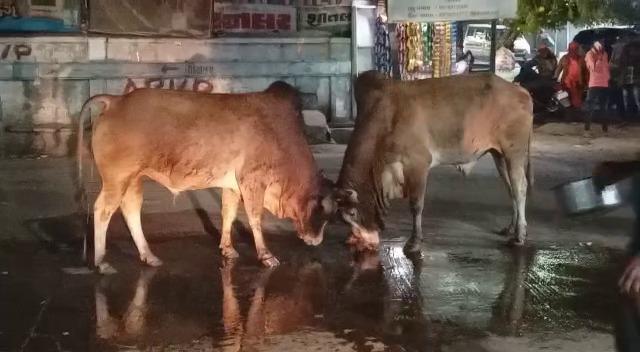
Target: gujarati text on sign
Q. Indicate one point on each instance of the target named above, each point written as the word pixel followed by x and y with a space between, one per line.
pixel 244 18
pixel 322 17
pixel 450 10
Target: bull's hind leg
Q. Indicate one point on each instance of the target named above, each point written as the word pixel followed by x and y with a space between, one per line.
pixel 131 206
pixel 517 177
pixel 501 165
pixel 254 204
pixel 230 203
pixel 416 179
pixel 106 204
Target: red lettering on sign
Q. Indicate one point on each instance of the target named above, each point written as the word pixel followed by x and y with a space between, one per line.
pixel 253 21
pixel 236 21
pixel 245 20
pixel 283 22
pixel 229 21
pixel 271 21
pixel 258 21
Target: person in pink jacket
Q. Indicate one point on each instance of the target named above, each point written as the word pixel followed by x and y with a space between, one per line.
pixel 597 62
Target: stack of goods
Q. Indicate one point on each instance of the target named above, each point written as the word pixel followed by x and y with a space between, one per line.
pixel 401 39
pixel 442 49
pixel 414 47
pixel 438 48
pixel 427 44
pixel 382 49
pixel 410 50
pixel 454 41
pixel 424 49
pixel 446 54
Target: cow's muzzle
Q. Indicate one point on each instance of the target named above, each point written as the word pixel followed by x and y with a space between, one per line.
pixel 362 239
pixel 311 240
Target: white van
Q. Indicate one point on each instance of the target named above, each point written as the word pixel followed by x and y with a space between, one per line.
pixel 477 39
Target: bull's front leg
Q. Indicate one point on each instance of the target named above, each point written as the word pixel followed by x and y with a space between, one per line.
pixel 253 197
pixel 230 203
pixel 519 185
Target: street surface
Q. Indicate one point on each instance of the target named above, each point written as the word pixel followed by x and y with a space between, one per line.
pixel 468 293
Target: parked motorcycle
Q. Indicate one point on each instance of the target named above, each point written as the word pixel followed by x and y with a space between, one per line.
pixel 547 94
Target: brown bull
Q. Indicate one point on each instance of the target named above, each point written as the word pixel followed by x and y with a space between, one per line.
pixel 251 145
pixel 406 128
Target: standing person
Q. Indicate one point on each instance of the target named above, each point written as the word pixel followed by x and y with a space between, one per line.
pixel 572 73
pixel 627 327
pixel 547 62
pixel 597 62
pixel 545 39
pixel 630 77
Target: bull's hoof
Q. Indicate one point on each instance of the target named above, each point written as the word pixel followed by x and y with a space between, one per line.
pixel 270 261
pixel 229 252
pixel 151 260
pixel 413 249
pixel 105 268
pixel 516 242
pixel 107 328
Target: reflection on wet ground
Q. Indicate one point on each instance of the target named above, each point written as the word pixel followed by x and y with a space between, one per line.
pixel 321 298
pixel 51 140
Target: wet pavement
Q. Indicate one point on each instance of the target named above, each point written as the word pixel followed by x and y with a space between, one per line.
pixel 468 293
pixel 323 298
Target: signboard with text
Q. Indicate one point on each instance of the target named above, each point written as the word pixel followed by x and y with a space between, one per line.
pixel 248 18
pixel 450 10
pixel 333 17
pixel 323 3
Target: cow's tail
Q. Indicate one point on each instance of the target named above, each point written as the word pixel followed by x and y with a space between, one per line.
pixel 81 194
pixel 530 178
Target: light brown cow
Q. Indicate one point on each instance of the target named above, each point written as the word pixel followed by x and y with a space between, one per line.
pixel 406 128
pixel 251 145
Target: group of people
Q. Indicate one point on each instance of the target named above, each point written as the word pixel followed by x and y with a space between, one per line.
pixel 591 71
pixel 595 73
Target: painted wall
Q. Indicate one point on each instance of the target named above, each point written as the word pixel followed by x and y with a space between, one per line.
pixel 45 80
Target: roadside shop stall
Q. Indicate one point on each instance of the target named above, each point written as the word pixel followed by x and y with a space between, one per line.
pixel 417 39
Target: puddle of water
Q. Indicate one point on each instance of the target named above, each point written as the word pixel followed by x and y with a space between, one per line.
pixel 320 298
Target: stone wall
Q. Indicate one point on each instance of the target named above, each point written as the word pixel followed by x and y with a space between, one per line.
pixel 45 80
